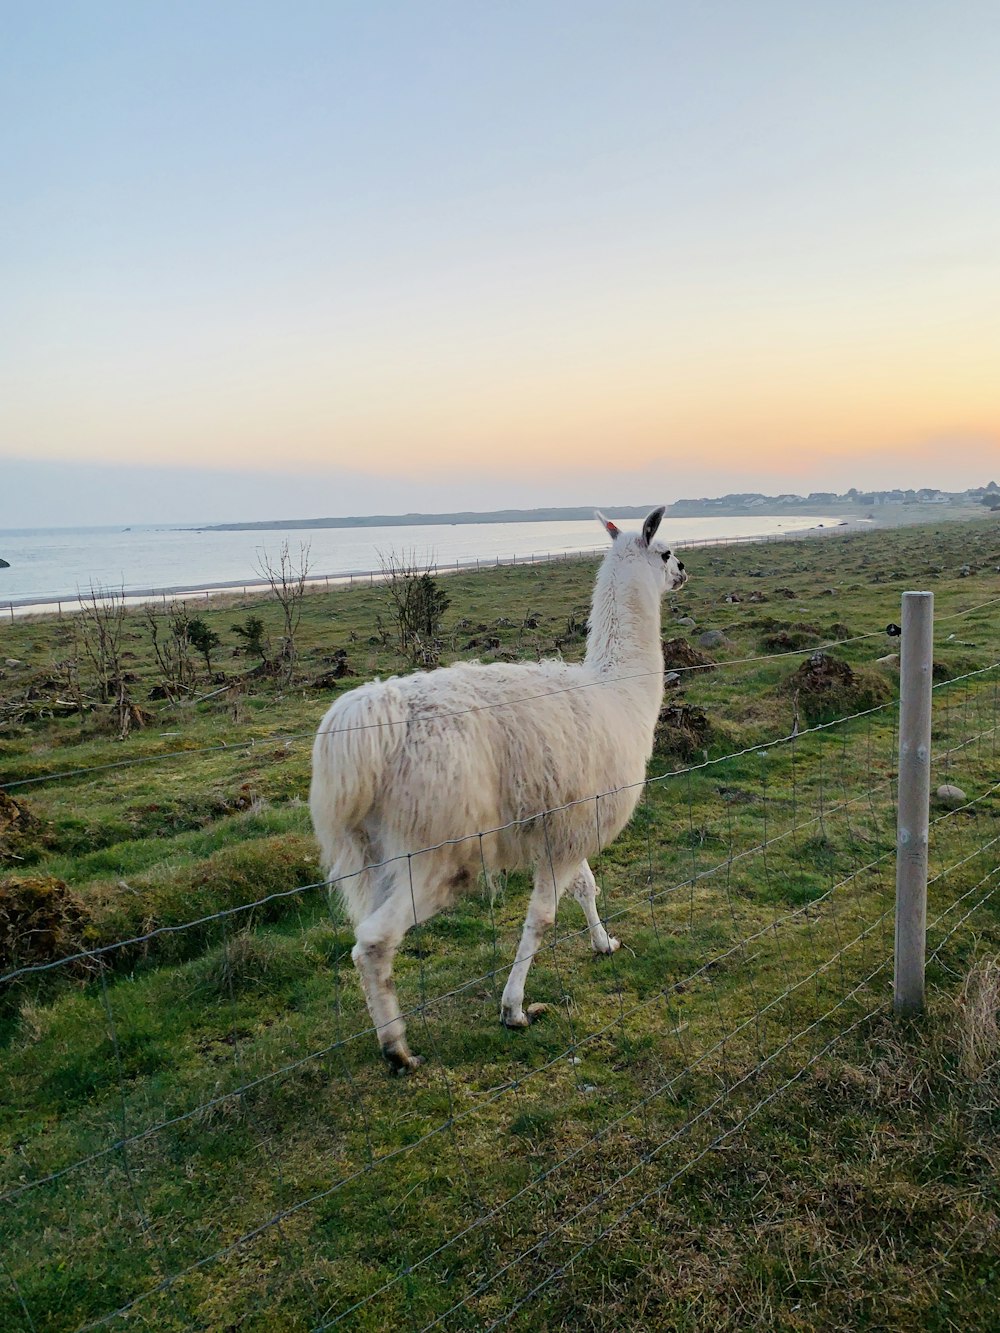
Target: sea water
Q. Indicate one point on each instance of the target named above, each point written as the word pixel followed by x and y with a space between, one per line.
pixel 61 562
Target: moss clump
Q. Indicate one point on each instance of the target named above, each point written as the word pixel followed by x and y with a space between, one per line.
pixel 41 921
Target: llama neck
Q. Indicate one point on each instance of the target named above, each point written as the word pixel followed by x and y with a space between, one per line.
pixel 624 636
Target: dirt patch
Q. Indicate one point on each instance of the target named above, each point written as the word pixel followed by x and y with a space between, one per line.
pixel 828 687
pixel 41 920
pixel 678 653
pixel 682 730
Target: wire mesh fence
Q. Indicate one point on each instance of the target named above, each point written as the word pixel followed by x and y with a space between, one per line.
pixel 267 1162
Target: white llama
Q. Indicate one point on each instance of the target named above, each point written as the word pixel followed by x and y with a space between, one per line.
pixel 519 753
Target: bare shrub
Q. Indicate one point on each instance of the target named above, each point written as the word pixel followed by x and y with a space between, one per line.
pixel 102 626
pixel 416 606
pixel 171 640
pixel 287 579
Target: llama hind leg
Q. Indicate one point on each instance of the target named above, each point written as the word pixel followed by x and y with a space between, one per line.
pixel 414 892
pixel 584 890
pixel 378 937
pixel 550 885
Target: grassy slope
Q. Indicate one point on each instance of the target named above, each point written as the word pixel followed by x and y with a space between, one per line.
pixel 862 1195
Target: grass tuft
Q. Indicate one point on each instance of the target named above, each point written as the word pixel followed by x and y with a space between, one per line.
pixel 979 1018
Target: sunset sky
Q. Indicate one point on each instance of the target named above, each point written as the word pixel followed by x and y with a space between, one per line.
pixel 268 260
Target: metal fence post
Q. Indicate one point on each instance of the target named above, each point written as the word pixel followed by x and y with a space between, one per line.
pixel 913 812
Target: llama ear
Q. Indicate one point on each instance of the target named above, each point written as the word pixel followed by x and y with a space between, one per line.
pixel 651 524
pixel 606 523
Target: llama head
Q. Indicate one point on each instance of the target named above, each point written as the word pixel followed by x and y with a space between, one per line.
pixel 641 549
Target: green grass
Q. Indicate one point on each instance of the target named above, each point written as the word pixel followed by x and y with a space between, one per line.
pixel 717 1128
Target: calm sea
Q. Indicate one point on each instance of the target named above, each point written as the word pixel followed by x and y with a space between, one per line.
pixel 59 562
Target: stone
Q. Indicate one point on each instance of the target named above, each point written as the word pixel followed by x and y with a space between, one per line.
pixel 950 797
pixel 687 620
pixel 13 662
pixel 712 638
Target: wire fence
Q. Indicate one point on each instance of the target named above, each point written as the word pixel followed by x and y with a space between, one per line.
pixel 267 1162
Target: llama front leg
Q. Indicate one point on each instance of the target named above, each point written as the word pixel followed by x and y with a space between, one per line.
pixel 549 888
pixel 584 890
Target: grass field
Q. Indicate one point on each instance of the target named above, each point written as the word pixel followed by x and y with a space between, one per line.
pixel 719 1127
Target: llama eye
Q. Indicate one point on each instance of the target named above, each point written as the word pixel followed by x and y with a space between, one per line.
pixel 666 556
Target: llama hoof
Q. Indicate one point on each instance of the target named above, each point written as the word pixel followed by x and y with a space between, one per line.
pixel 514 1018
pixel 613 946
pixel 522 1018
pixel 400 1060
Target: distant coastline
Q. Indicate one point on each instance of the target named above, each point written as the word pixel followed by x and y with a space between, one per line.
pixel 427 520
pixel 885 514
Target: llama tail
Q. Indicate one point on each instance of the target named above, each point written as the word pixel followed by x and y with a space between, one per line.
pixel 355 747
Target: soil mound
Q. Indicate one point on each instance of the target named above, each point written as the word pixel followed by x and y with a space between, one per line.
pixel 828 687
pixel 18 829
pixel 682 730
pixel 679 653
pixel 41 920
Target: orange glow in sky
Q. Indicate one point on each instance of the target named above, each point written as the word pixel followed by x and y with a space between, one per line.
pixel 480 242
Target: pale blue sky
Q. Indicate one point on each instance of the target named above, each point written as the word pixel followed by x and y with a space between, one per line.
pixel 530 248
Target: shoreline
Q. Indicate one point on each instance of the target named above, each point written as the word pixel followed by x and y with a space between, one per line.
pixel 881 518
pixel 138 596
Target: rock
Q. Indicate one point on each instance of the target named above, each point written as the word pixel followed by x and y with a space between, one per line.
pixel 732 597
pixel 950 797
pixel 689 621
pixel 965 571
pixel 4 564
pixel 890 660
pixel 13 662
pixel 712 638
pixel 672 679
